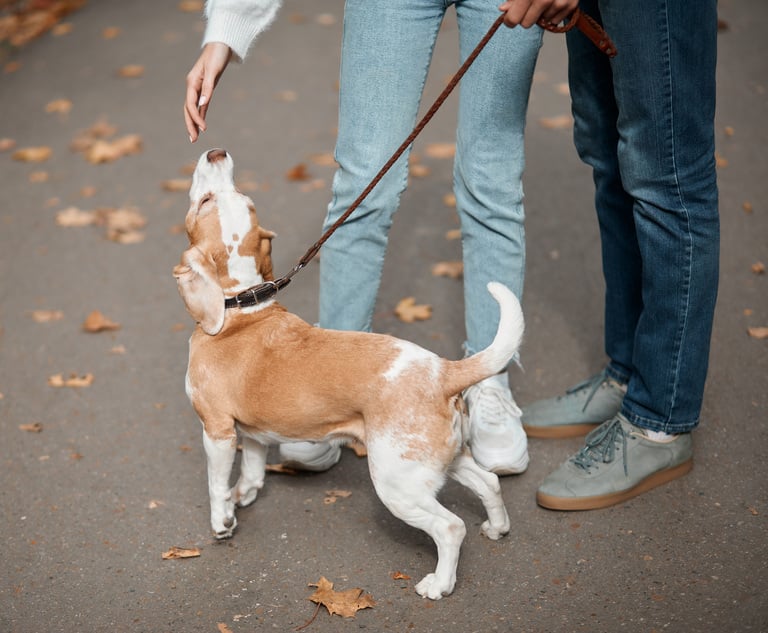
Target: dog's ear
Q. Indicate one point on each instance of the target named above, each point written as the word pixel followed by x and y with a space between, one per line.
pixel 265 254
pixel 199 287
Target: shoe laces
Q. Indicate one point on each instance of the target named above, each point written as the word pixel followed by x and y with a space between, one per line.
pixel 593 384
pixel 492 405
pixel 601 444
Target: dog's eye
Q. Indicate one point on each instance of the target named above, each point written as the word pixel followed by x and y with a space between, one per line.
pixel 205 200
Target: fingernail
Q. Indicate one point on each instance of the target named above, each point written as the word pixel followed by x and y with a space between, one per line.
pixel 203 100
pixel 191 140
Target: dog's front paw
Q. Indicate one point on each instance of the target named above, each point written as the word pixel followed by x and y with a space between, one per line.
pixel 224 529
pixel 494 532
pixel 433 587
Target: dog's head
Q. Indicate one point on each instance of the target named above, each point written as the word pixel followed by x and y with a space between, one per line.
pixel 229 252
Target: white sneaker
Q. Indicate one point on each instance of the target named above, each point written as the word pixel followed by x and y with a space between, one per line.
pixel 314 456
pixel 496 434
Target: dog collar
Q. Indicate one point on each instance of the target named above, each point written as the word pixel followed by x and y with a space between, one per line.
pixel 257 294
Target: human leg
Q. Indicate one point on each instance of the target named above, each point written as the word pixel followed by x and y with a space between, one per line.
pixel 488 172
pixel 660 293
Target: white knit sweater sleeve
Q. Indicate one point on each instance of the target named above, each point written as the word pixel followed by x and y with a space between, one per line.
pixel 237 23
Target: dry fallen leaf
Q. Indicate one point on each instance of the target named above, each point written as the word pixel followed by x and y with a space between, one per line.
pixel 323 160
pixel 60 106
pixel 97 322
pixel 131 71
pixel 333 495
pixel 117 349
pixel 326 19
pixel 417 170
pixel 177 184
pixel 454 270
pixel 103 151
pixel 46 316
pixel 408 311
pixel 562 122
pixel 758 332
pixel 33 427
pixel 38 176
pixel 281 469
pixel 74 217
pixel 223 628
pixel 453 234
pixel 32 154
pixel 747 206
pixel 398 575
pixel 440 150
pixel 758 268
pixel 720 160
pixel 287 96
pixel 297 173
pixel 110 33
pixel 58 380
pixel 449 200
pixel 345 603
pixel 7 144
pixel 181 552
pixel 86 138
pixel 122 224
pixel 191 6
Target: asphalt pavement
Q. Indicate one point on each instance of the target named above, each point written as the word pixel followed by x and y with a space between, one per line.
pixel 99 479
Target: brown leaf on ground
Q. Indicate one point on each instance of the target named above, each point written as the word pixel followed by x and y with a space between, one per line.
pixel 562 122
pixel 191 6
pixel 326 19
pixel 32 154
pixel 109 151
pixel 32 19
pixel 111 32
pixel 123 224
pixel 323 160
pixel 440 150
pixel 332 495
pixel 131 71
pixel 298 173
pixel 453 234
pixel 7 144
pixel 177 184
pixel 398 575
pixel 38 176
pixel 181 552
pixel 46 316
pixel 449 200
pixel 344 603
pixel 747 206
pixel 97 322
pixel 758 332
pixel 60 106
pixel 454 270
pixel 408 311
pixel 74 217
pixel 758 268
pixel 417 170
pixel 85 139
pixel 58 380
pixel 33 427
pixel 223 628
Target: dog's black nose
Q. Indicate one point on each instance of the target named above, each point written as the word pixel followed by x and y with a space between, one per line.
pixel 216 155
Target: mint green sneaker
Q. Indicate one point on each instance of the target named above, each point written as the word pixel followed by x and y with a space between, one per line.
pixel 618 462
pixel 581 409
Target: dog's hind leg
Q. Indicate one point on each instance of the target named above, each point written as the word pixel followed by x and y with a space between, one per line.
pixel 221 455
pixel 408 489
pixel 486 486
pixel 252 466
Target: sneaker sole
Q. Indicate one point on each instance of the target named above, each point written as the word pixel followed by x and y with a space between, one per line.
pixel 604 501
pixel 561 431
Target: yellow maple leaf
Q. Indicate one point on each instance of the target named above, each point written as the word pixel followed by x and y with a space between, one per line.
pixel 408 311
pixel 345 603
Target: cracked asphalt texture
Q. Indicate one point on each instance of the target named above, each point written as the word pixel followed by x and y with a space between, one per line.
pixel 117 474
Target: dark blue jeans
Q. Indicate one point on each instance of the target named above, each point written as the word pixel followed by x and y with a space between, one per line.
pixel 644 122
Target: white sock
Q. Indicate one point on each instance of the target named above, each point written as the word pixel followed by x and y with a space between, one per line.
pixel 658 436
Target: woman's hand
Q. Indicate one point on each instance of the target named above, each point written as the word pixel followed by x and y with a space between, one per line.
pixel 527 12
pixel 201 82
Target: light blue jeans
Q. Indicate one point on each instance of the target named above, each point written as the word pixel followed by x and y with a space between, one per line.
pixel 644 121
pixel 386 52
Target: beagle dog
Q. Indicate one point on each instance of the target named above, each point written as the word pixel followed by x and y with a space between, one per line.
pixel 266 375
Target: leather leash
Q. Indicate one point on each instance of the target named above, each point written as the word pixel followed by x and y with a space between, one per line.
pixel 265 291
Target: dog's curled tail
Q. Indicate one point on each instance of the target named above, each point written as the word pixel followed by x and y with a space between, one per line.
pixel 494 358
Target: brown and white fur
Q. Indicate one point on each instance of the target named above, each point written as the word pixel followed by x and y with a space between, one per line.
pixel 274 378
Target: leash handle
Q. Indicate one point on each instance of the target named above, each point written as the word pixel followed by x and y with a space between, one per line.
pixel 265 291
